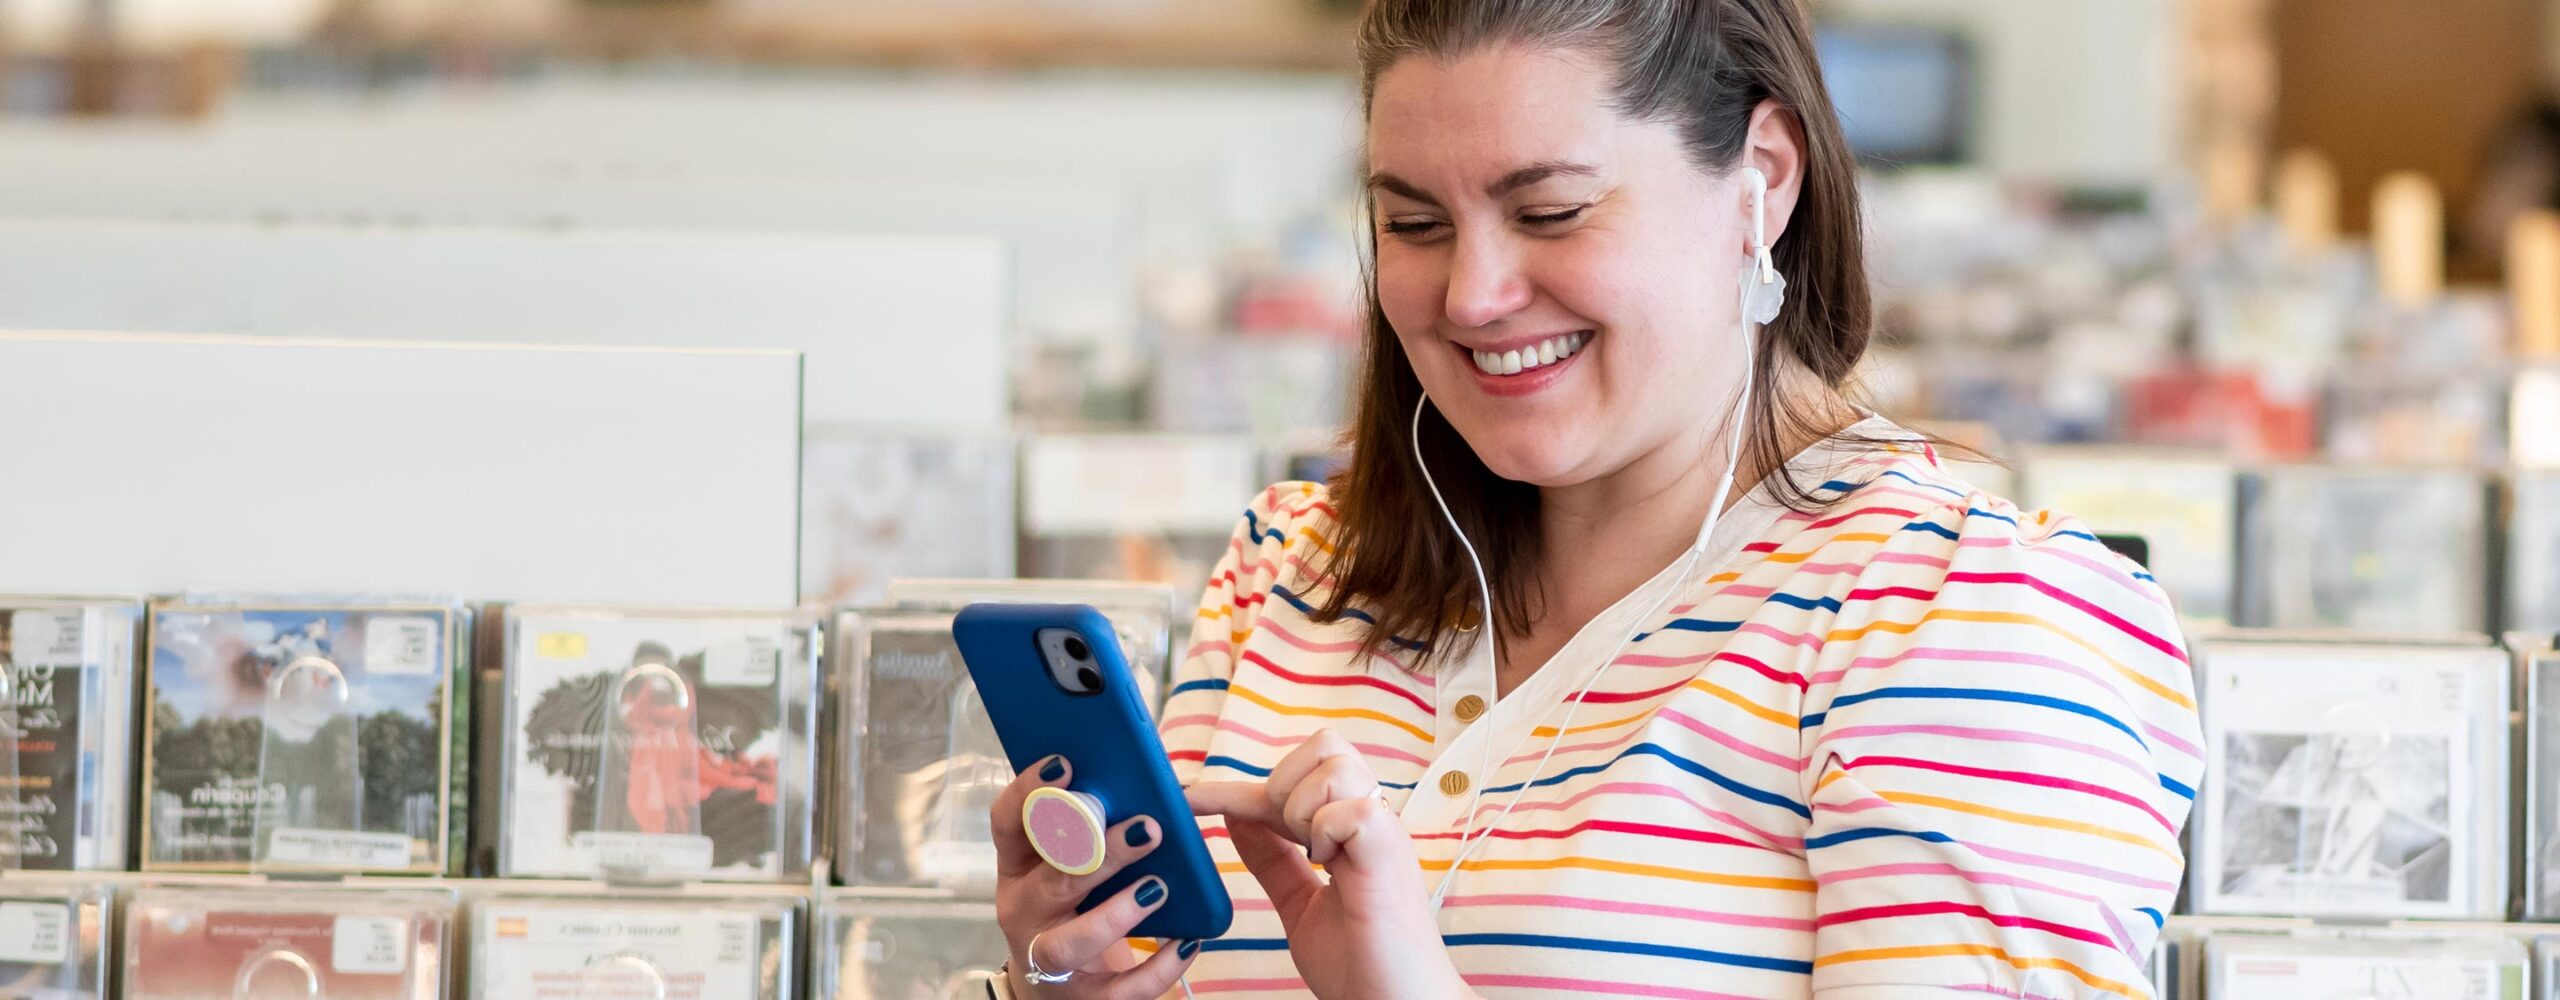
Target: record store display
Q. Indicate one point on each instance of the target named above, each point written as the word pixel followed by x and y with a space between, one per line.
pixel 2546 968
pixel 2166 970
pixel 66 715
pixel 53 940
pixel 2369 549
pixel 877 508
pixel 2538 687
pixel 2334 964
pixel 627 947
pixel 1143 615
pixel 655 744
pixel 263 941
pixel 897 949
pixel 305 735
pixel 2346 780
pixel 2185 508
pixel 2533 552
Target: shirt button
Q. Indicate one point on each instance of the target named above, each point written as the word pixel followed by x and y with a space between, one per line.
pixel 1453 784
pixel 1470 707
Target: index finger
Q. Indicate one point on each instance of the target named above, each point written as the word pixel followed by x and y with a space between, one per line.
pixel 1014 855
pixel 1235 800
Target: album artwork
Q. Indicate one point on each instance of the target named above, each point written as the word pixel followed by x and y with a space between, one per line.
pixel 632 949
pixel 2383 550
pixel 2533 554
pixel 876 508
pixel 302 736
pixel 2541 693
pixel 66 705
pixel 658 744
pixel 926 762
pixel 204 945
pixel 886 949
pixel 2365 965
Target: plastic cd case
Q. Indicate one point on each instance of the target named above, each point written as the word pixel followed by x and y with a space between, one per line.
pixel 2533 552
pixel 921 763
pixel 2352 780
pixel 2546 968
pixel 657 744
pixel 2369 549
pixel 292 734
pixel 53 940
pixel 2186 509
pixel 2365 963
pixel 215 944
pixel 627 947
pixel 66 716
pixel 877 508
pixel 2538 687
pixel 2167 970
pixel 904 949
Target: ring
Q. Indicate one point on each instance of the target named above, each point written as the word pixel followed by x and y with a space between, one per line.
pixel 1033 973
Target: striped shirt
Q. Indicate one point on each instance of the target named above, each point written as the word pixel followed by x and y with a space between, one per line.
pixel 1919 741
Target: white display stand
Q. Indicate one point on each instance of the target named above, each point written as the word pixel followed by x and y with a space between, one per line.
pixel 863 310
pixel 140 464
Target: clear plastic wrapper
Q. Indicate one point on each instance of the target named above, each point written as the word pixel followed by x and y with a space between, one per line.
pixel 2365 964
pixel 2538 688
pixel 2533 552
pixel 2546 968
pixel 657 745
pixel 306 735
pixel 53 940
pixel 904 949
pixel 267 941
pixel 880 507
pixel 2185 507
pixel 2391 550
pixel 629 946
pixel 2352 780
pixel 66 706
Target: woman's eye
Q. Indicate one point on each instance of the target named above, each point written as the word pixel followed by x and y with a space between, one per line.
pixel 1552 218
pixel 1408 227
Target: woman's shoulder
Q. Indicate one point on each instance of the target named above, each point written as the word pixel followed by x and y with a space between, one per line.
pixel 1291 509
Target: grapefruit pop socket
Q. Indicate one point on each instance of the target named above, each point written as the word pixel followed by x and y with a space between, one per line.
pixel 1066 828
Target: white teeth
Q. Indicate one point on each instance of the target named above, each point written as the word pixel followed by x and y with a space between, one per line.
pixel 1539 355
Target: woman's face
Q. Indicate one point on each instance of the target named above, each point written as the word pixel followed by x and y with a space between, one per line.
pixel 1562 278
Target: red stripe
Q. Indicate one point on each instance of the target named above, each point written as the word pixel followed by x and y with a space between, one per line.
pixel 1862 511
pixel 1608 698
pixel 1339 680
pixel 1966 909
pixel 1765 670
pixel 1873 593
pixel 2018 777
pixel 1605 826
pixel 2075 600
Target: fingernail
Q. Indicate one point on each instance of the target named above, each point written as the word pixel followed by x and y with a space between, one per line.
pixel 1187 949
pixel 1151 892
pixel 1139 835
pixel 1053 769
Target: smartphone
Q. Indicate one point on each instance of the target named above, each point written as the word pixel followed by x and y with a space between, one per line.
pixel 1054 682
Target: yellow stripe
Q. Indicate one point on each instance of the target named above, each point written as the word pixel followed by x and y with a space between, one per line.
pixel 1629 868
pixel 1549 732
pixel 1310 535
pixel 1250 695
pixel 1981 950
pixel 2026 819
pixel 1221 611
pixel 1773 715
pixel 2012 618
pixel 1846 536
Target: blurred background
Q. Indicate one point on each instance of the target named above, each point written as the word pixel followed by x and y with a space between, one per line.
pixel 1073 277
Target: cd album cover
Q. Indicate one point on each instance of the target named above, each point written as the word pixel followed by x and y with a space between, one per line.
pixel 364 727
pixel 525 948
pixel 2383 965
pixel 2167 971
pixel 668 743
pixel 53 942
pixel 882 949
pixel 208 945
pixel 2540 667
pixel 2352 781
pixel 66 692
pixel 2375 550
pixel 925 760
pixel 2546 968
pixel 2533 554
pixel 879 508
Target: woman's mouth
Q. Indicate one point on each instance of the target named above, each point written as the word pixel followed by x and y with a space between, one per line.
pixel 1532 357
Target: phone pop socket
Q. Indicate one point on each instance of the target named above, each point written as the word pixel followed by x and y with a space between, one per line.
pixel 1066 828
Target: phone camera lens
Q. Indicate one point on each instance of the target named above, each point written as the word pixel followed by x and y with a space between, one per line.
pixel 1088 678
pixel 1077 650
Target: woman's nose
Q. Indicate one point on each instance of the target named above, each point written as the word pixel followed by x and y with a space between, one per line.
pixel 1486 283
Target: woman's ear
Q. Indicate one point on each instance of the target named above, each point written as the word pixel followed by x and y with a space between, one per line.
pixel 1775 144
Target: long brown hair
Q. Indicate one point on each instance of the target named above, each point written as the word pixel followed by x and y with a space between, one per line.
pixel 1703 66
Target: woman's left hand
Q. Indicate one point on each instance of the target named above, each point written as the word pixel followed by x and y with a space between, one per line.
pixel 1363 926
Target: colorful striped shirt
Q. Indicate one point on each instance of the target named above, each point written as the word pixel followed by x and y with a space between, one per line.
pixel 1918 741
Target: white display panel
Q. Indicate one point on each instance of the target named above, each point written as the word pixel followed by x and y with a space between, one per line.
pixel 861 309
pixel 158 464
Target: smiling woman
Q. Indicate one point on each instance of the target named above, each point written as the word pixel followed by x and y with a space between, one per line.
pixel 1863 732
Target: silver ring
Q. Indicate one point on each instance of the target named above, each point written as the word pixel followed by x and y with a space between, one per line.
pixel 1032 972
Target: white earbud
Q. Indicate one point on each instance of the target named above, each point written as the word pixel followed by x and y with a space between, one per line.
pixel 1764 290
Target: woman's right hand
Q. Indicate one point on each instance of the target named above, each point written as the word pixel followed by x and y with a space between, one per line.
pixel 1035 902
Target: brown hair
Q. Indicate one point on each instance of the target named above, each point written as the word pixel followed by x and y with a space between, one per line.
pixel 1702 66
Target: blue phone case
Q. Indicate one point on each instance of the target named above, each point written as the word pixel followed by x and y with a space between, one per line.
pixel 1108 738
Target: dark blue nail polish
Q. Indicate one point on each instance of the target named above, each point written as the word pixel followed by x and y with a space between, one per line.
pixel 1151 892
pixel 1139 835
pixel 1187 949
pixel 1053 769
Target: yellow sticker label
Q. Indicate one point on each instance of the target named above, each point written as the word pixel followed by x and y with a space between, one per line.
pixel 561 645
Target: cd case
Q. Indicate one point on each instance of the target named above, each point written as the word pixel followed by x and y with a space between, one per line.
pixel 2538 686
pixel 2186 509
pixel 657 744
pixel 921 762
pixel 66 692
pixel 2371 549
pixel 2546 968
pixel 2352 780
pixel 305 735
pixel 2167 971
pixel 877 508
pixel 904 949
pixel 53 940
pixel 2533 552
pixel 2401 965
pixel 195 944
pixel 627 947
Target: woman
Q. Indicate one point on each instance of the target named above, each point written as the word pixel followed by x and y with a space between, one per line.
pixel 1866 734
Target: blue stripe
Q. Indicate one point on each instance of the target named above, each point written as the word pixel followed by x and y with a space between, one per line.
pixel 1971 694
pixel 1354 614
pixel 2145 577
pixel 1232 764
pixel 2010 521
pixel 2183 791
pixel 1872 832
pixel 2081 535
pixel 1798 966
pixel 1254 530
pixel 2157 921
pixel 1683 763
pixel 1899 474
pixel 1831 604
pixel 1933 529
pixel 1211 684
pixel 1688 625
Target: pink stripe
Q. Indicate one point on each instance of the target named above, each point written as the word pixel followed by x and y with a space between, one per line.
pixel 1555 984
pixel 2123 939
pixel 1249 986
pixel 1183 721
pixel 1222 647
pixel 1272 625
pixel 1773 841
pixel 2085 606
pixel 1266 739
pixel 1637 909
pixel 2038 860
pixel 1808 640
pixel 1966 656
pixel 1729 741
pixel 2172 739
pixel 1995 735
